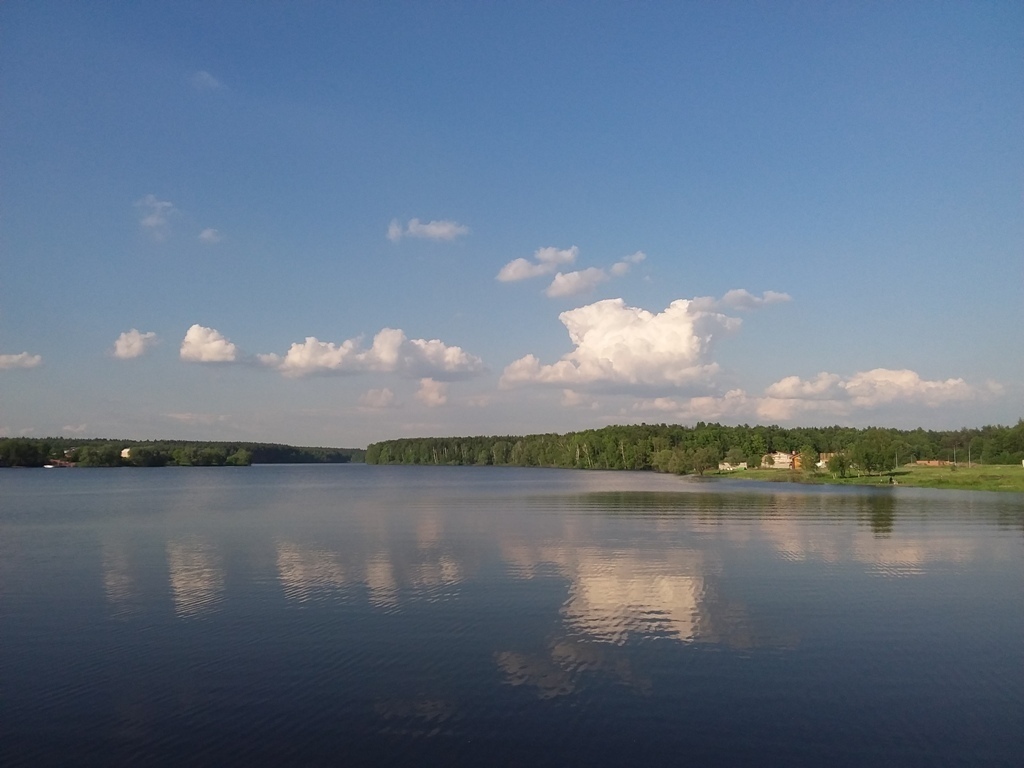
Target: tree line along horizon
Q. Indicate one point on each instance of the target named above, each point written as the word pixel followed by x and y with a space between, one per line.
pixel 103 452
pixel 657 447
pixel 697 449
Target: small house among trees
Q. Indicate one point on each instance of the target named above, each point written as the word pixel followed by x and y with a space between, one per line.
pixel 726 466
pixel 778 460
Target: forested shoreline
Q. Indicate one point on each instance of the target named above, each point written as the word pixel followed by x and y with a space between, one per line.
pixel 656 447
pixel 102 452
pixel 696 449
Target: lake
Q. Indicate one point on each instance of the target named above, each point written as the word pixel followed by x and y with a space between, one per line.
pixel 362 615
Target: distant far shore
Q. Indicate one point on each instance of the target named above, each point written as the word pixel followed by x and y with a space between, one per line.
pixel 100 452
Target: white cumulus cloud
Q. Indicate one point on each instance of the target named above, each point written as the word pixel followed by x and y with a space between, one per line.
pixel 865 390
pixel 617 346
pixel 427 230
pixel 210 236
pixel 545 261
pixel 827 396
pixel 206 345
pixel 881 386
pixel 133 343
pixel 432 393
pixel 390 352
pixel 824 386
pixel 573 283
pixel 20 360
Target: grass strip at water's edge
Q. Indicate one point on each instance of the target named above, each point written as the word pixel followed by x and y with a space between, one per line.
pixel 988 477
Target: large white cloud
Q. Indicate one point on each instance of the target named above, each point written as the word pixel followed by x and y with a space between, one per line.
pixel 545 261
pixel 391 352
pixel 206 345
pixel 617 346
pixel 20 360
pixel 428 230
pixel 133 343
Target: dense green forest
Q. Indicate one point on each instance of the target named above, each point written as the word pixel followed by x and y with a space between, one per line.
pixel 98 452
pixel 683 450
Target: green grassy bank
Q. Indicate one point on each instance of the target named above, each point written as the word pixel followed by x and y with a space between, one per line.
pixel 989 477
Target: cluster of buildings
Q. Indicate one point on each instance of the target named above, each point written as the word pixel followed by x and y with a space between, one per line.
pixel 777 460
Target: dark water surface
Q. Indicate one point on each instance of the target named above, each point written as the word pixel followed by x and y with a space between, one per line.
pixel 353 615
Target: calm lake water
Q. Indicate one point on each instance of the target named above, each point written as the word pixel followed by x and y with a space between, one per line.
pixel 351 615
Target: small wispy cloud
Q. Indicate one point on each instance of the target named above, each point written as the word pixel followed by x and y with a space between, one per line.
pixel 133 343
pixel 574 283
pixel 197 418
pixel 20 360
pixel 155 215
pixel 620 268
pixel 204 81
pixel 740 299
pixel 548 260
pixel 443 230
pixel 210 236
pixel 545 261
pixel 378 399
pixel 74 429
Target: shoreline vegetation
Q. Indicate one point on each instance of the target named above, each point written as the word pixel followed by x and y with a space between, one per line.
pixel 102 452
pixel 985 458
pixel 960 477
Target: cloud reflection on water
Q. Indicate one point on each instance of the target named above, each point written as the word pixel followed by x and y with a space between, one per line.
pixel 305 572
pixel 615 593
pixel 562 668
pixel 196 575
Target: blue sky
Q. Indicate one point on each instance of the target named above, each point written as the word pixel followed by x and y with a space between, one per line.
pixel 333 223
